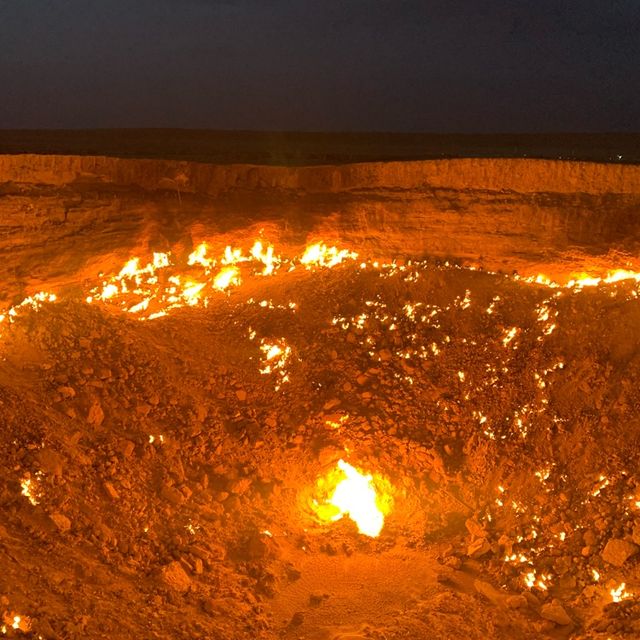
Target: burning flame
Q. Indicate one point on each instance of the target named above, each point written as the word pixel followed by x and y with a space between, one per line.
pixel 620 593
pixel 191 294
pixel 265 256
pixel 32 303
pixel 198 256
pixel 320 255
pixel 163 284
pixel 353 495
pixel 13 620
pixel 583 280
pixel 233 256
pixel 618 275
pixel 29 490
pixel 226 277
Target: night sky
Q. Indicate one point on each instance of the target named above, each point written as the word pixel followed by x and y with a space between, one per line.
pixel 322 65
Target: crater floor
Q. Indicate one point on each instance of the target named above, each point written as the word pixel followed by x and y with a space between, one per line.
pixel 159 475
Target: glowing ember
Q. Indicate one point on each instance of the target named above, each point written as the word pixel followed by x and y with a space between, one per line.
pixel 532 579
pixel 275 356
pixel 509 335
pixel 619 593
pixel 15 621
pixel 29 490
pixel 354 495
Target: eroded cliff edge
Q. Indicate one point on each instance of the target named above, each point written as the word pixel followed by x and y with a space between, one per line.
pixel 489 174
pixel 63 216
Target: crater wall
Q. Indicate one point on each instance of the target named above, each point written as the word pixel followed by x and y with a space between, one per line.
pixel 63 216
pixel 492 174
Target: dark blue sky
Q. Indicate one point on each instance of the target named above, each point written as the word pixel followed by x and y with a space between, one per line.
pixel 386 65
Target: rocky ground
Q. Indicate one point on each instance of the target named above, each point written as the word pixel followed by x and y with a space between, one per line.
pixel 158 478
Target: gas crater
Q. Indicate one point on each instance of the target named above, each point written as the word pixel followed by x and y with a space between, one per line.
pixel 376 401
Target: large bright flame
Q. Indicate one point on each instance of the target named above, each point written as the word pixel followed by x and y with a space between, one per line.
pixel 322 256
pixel 618 275
pixel 198 256
pixel 265 256
pixel 226 277
pixel 354 496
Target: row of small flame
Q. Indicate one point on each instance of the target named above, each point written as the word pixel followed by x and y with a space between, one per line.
pixel 156 290
pixel 136 288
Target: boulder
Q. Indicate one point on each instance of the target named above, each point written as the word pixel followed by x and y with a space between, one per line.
pixel 175 577
pixel 555 612
pixel 61 521
pixel 618 551
pixel 95 415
